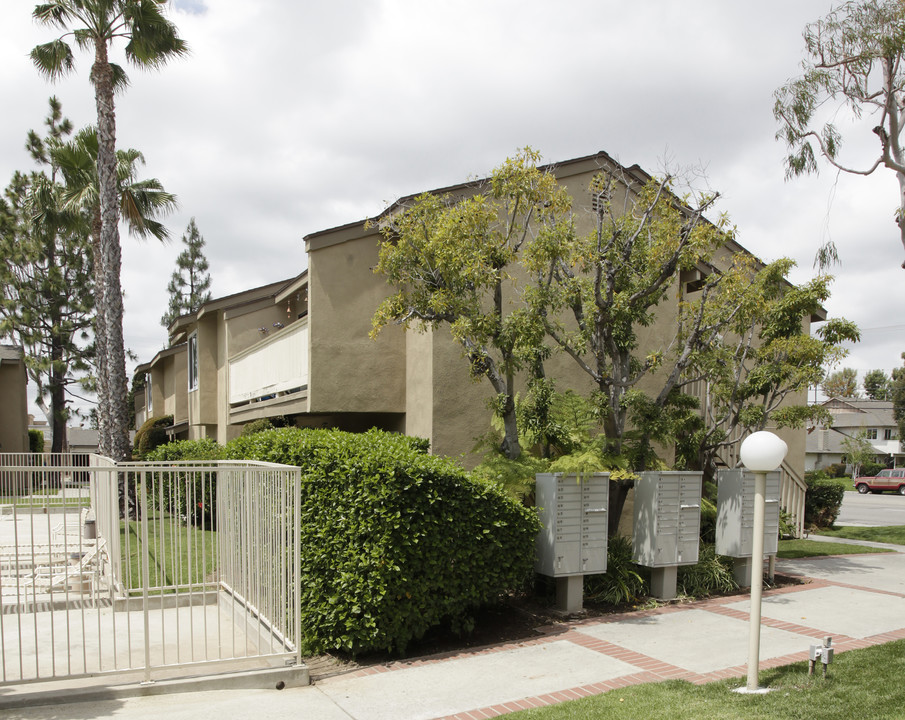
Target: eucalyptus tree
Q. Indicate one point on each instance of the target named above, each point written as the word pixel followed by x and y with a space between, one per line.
pixel 46 280
pixel 190 283
pixel 853 67
pixel 150 41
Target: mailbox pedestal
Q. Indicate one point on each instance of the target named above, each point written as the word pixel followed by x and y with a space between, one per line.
pixel 572 542
pixel 667 526
pixel 735 520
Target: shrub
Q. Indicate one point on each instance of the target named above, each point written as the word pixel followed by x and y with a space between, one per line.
pixel 711 575
pixel 256 426
pixel 195 490
pixel 822 502
pixel 870 469
pixel 151 435
pixel 393 541
pixel 35 441
pixel 622 582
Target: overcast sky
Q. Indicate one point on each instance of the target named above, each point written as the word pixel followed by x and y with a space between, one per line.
pixel 293 117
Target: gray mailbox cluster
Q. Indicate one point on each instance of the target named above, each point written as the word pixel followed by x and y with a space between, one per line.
pixel 573 538
pixel 735 518
pixel 667 525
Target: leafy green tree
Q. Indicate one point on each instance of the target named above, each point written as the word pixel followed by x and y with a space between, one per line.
pixel 190 283
pixel 594 294
pixel 898 399
pixel 760 369
pixel 450 261
pixel 841 384
pixel 853 67
pixel 46 281
pixel 877 385
pixel 858 451
pixel 151 40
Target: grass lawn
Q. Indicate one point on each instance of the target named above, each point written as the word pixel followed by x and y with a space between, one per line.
pixel 894 534
pixel 177 554
pixel 861 684
pixel 791 549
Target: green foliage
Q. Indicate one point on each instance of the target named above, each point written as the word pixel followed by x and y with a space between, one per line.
pixel 193 496
pixel 711 575
pixel 870 469
pixel 822 502
pixel 190 283
pixel 877 385
pixel 851 67
pixel 35 441
pixel 150 435
pixel 858 451
pixel 622 582
pixel 256 426
pixel 841 384
pixel 394 541
pixel 708 519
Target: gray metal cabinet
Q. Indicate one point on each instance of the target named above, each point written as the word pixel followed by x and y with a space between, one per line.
pixel 667 518
pixel 735 513
pixel 573 515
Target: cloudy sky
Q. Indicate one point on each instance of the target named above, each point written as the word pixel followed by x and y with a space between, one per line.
pixel 292 117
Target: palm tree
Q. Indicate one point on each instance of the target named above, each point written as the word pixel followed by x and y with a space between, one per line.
pixel 141 201
pixel 151 40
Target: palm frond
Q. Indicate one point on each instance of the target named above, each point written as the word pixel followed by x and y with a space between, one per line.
pixel 53 59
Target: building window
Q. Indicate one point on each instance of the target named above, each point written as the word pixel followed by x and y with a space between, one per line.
pixel 889 434
pixel 193 362
pixel 148 395
pixel 871 434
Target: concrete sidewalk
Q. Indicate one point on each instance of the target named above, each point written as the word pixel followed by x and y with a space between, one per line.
pixel 698 642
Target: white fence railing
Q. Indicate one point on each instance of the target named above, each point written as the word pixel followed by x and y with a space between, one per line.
pixel 172 565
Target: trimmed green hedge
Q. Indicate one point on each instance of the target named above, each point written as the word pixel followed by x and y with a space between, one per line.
pixel 822 501
pixel 393 541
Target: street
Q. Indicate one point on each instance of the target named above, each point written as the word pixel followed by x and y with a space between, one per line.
pixel 872 510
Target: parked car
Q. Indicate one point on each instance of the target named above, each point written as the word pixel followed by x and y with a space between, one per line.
pixel 893 479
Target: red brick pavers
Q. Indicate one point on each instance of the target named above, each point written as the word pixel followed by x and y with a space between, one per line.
pixel 649 669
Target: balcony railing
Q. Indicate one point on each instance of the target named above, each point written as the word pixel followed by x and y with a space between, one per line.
pixel 274 366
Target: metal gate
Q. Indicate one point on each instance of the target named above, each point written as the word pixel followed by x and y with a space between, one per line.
pixel 145 568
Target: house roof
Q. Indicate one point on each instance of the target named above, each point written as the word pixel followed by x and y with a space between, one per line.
pixel 11 353
pixel 858 413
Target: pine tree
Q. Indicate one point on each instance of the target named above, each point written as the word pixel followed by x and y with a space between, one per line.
pixel 190 283
pixel 46 280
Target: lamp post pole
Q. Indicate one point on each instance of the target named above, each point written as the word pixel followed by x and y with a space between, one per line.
pixel 761 452
pixel 757 578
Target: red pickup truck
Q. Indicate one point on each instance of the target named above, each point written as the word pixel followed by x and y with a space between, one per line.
pixel 885 480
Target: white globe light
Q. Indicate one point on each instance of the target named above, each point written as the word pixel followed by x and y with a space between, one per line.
pixel 763 451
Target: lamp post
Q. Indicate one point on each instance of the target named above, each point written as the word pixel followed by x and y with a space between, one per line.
pixel 761 452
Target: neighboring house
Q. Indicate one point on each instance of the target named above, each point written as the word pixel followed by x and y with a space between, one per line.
pixel 301 348
pixel 850 417
pixel 13 400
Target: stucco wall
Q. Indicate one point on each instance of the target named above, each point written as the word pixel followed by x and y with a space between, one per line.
pixel 13 407
pixel 350 372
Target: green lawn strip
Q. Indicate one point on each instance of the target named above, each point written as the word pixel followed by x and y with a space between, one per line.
pixel 174 553
pixel 894 534
pixel 844 482
pixel 791 549
pixel 860 684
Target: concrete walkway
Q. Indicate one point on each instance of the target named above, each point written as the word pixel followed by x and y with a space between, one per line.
pixel 697 642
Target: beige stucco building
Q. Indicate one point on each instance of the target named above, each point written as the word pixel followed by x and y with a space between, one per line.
pixel 301 348
pixel 13 400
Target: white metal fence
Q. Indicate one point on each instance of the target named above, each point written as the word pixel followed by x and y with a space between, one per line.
pixel 137 567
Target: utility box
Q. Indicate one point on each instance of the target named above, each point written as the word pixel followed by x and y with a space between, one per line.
pixel 572 541
pixel 735 517
pixel 667 526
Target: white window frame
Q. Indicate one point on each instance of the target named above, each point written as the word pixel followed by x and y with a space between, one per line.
pixel 149 396
pixel 871 433
pixel 193 362
pixel 890 434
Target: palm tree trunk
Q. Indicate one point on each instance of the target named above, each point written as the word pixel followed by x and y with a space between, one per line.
pixel 114 386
